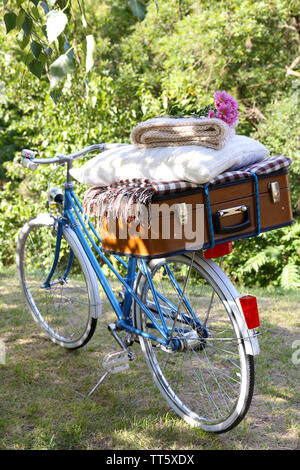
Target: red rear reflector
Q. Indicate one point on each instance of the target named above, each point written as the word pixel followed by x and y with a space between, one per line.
pixel 218 250
pixel 250 311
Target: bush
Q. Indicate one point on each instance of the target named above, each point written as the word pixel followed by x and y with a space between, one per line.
pixel 171 63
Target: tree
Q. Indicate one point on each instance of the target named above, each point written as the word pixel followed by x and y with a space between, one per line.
pixel 172 62
pixel 52 41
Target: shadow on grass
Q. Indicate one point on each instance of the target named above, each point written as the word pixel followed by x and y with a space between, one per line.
pixel 41 410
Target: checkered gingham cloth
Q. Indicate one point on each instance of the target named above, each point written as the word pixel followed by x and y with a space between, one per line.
pixel 268 165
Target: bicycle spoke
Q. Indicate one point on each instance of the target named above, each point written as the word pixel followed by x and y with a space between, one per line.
pixel 203 377
pixel 63 307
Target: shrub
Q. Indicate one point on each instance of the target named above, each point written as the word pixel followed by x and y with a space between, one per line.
pixel 171 63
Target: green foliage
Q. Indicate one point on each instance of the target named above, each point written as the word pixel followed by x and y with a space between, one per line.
pixel 290 278
pixel 108 70
pixel 272 257
pixel 43 24
pixel 279 131
pixel 51 23
pixel 55 24
pixel 138 9
pixel 10 20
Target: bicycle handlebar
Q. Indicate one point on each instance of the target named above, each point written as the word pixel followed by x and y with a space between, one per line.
pixel 29 161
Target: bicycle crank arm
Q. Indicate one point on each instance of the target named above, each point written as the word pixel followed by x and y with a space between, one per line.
pixel 112 328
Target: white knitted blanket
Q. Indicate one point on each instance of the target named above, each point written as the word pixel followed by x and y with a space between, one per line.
pixel 169 132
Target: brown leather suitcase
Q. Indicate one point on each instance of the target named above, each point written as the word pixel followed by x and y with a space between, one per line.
pixel 232 211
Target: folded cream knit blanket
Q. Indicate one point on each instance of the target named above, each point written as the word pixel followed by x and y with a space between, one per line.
pixel 170 132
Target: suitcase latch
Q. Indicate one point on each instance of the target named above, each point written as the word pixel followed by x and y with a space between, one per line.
pixel 232 211
pixel 182 213
pixel 275 191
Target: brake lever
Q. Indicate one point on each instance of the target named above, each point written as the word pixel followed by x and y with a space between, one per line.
pixel 27 157
pixel 28 154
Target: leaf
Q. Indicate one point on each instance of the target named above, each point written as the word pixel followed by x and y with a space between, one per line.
pixel 255 262
pixel 36 49
pixel 45 7
pixel 293 232
pixel 20 19
pixel 23 40
pixel 35 13
pixel 10 20
pixel 90 52
pixel 42 59
pixel 44 30
pixel 36 68
pixel 61 42
pixel 51 3
pixel 55 96
pixel 35 2
pixel 290 276
pixel 268 255
pixel 139 9
pixel 27 25
pixel 83 20
pixel 56 22
pixel 59 69
pixel 68 49
pixel 48 50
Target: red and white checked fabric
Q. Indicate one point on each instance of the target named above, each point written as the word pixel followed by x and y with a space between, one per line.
pixel 159 187
pixel 268 165
pixel 173 187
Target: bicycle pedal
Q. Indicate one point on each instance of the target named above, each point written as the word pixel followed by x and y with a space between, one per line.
pixel 116 362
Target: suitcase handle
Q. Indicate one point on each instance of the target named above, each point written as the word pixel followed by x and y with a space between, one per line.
pixel 232 211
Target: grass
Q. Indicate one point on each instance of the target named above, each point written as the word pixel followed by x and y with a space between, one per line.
pixel 40 409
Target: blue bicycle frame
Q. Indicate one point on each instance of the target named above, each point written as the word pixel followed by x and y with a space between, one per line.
pixel 73 216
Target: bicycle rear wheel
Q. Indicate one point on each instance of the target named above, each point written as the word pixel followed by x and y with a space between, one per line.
pixel 67 309
pixel 209 380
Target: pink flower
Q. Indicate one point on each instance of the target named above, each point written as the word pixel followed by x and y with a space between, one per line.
pixel 227 107
pixel 211 114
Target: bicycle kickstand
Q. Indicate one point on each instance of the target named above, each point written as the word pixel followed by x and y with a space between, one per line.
pixel 113 362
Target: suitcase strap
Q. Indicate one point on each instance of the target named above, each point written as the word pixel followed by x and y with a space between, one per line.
pixel 257 202
pixel 209 213
pixel 210 223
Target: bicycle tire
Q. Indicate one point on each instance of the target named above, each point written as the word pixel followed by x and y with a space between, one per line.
pixel 180 400
pixel 71 303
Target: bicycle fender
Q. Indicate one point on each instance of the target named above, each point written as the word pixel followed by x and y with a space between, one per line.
pixel 249 336
pixel 232 304
pixel 96 304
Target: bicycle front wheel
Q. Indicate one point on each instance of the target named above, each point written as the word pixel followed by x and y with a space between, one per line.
pixel 68 307
pixel 209 379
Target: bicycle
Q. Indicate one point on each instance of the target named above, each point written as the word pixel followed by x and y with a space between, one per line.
pixel 184 310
